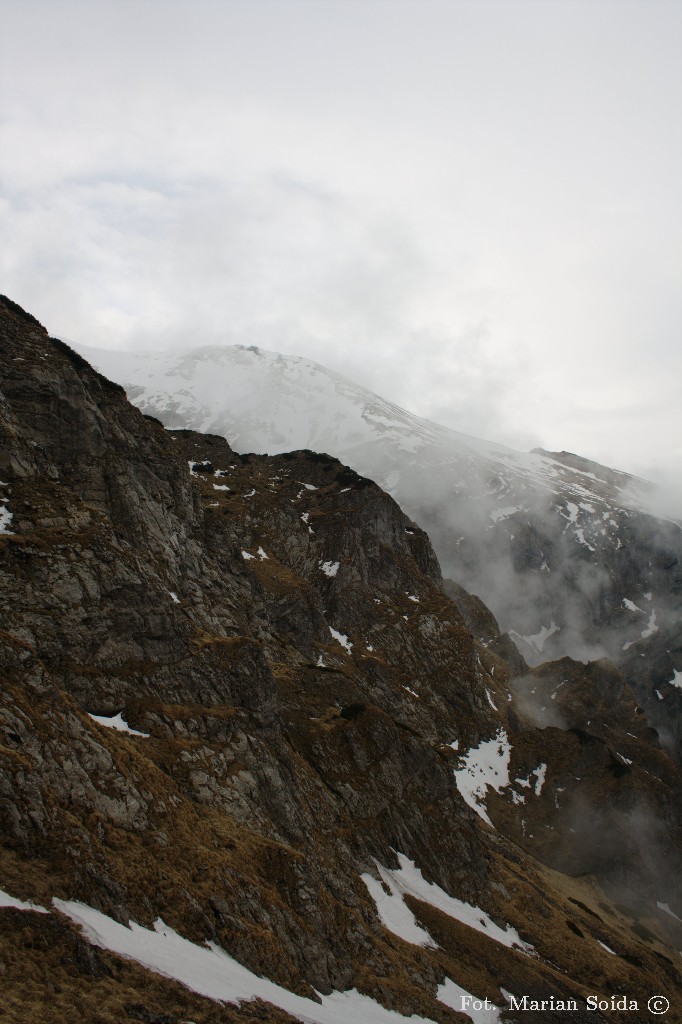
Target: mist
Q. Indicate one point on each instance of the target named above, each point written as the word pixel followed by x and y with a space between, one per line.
pixel 449 209
pixel 629 848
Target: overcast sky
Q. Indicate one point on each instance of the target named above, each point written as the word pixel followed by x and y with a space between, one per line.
pixel 472 207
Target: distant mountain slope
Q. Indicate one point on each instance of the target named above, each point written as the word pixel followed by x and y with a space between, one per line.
pixel 560 548
pixel 272 403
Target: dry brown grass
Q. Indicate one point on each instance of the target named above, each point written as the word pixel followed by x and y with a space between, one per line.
pixel 278 579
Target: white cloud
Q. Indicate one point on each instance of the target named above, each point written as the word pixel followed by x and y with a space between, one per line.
pixel 476 215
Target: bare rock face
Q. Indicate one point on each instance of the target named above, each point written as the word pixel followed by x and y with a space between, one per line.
pixel 294 691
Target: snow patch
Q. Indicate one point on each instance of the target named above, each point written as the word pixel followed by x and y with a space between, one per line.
pixel 454 996
pixel 573 512
pixel 11 901
pixel 540 774
pixel 537 640
pixel 5 517
pixel 117 722
pixel 329 568
pixel 342 639
pixel 305 516
pixel 485 766
pixel 174 596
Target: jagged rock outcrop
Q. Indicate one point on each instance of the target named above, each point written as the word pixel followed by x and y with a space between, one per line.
pixel 300 688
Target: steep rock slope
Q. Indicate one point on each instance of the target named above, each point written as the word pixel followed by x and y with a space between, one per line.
pixel 236 697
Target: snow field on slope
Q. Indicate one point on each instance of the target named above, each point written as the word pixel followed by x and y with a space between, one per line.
pixel 407 880
pixel 210 972
pixel 485 767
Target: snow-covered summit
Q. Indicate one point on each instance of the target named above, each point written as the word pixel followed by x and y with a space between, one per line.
pixel 267 402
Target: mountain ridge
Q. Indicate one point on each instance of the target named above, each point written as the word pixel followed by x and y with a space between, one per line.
pixel 329 775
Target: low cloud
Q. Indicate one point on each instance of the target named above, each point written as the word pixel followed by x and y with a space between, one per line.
pixel 177 175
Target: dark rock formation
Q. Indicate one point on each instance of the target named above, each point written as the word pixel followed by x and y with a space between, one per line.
pixel 279 631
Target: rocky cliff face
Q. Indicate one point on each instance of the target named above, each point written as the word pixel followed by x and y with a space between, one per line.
pixel 313 748
pixel 563 550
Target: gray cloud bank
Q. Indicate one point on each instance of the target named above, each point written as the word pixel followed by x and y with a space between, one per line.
pixel 472 209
